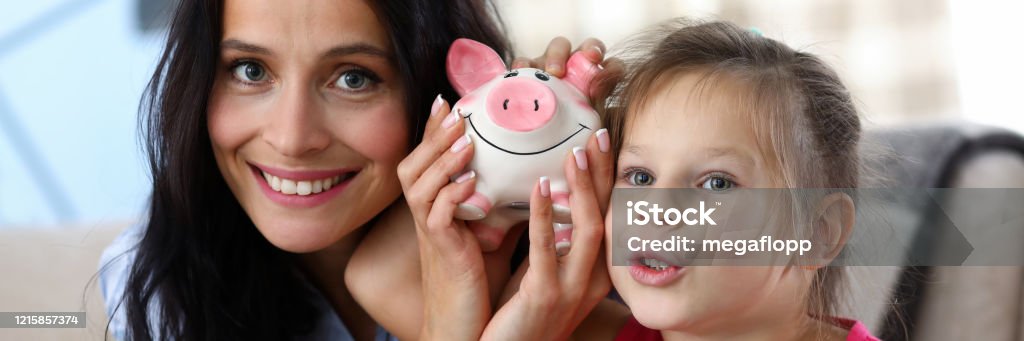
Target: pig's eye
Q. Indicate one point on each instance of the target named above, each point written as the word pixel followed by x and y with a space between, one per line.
pixel 541 75
pixel 511 74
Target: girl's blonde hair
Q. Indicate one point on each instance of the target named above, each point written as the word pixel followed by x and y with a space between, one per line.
pixel 801 112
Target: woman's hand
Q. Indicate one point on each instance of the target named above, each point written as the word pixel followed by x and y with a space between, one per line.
pixel 455 294
pixel 459 282
pixel 556 294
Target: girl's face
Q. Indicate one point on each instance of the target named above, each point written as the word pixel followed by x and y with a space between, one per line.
pixel 307 117
pixel 681 141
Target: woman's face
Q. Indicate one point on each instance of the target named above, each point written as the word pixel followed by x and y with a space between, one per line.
pixel 307 117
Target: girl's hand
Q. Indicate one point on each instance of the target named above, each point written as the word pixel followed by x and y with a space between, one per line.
pixel 557 54
pixel 455 295
pixel 556 294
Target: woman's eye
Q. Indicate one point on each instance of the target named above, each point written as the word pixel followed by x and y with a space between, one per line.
pixel 354 81
pixel 639 178
pixel 249 72
pixel 717 184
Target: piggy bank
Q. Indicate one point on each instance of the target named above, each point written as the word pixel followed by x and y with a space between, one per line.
pixel 523 123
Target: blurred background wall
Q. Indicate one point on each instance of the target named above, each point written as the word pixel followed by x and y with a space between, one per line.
pixel 71 75
pixel 72 72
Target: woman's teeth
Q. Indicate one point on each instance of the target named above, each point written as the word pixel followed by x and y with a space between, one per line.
pixel 306 187
pixel 654 264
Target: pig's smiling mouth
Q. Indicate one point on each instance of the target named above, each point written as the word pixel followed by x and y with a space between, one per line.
pixel 469 118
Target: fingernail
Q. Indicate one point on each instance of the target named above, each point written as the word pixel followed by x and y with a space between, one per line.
pixel 450 120
pixel 602 140
pixel 436 106
pixel 562 248
pixel 553 68
pixel 461 143
pixel 465 177
pixel 545 187
pixel 581 157
pixel 599 50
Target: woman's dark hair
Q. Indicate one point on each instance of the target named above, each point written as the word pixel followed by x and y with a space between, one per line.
pixel 202 270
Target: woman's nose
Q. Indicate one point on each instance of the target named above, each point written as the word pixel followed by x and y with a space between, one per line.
pixel 296 123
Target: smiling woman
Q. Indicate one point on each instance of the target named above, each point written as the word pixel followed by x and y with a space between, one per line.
pixel 274 130
pixel 304 101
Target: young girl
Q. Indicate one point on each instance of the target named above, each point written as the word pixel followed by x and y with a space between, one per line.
pixel 716 107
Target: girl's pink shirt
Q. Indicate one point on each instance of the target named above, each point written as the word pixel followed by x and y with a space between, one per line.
pixel 634 331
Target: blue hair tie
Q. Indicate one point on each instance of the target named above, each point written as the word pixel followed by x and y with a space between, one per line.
pixel 756 31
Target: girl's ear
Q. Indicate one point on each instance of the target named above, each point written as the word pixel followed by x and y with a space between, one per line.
pixel 580 72
pixel 471 64
pixel 833 223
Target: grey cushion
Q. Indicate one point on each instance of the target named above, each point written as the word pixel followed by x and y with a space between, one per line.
pixel 899 303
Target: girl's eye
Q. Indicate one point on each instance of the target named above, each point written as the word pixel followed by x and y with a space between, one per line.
pixel 717 183
pixel 639 177
pixel 354 80
pixel 249 72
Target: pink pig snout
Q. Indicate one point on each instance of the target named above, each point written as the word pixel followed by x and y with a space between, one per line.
pixel 521 104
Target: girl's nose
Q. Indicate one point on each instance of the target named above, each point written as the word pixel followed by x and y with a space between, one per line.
pixel 295 126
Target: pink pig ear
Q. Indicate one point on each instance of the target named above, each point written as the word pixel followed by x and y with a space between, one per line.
pixel 471 64
pixel 579 72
